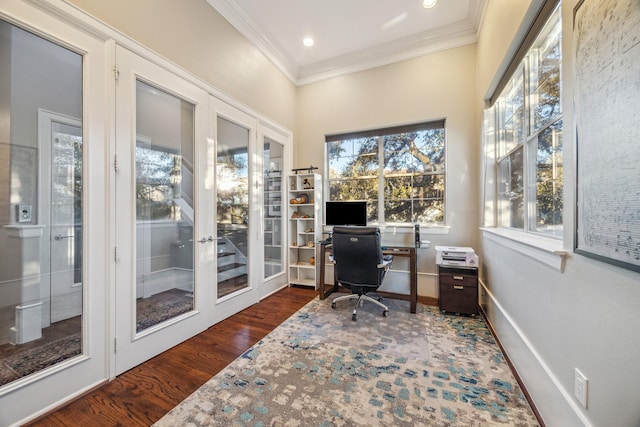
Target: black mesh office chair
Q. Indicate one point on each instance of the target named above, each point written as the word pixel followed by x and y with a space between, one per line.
pixel 359 264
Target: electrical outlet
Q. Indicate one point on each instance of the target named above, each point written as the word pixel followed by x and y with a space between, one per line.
pixel 580 387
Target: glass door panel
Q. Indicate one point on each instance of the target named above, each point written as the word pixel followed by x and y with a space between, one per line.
pixel 232 219
pixel 160 152
pixel 164 206
pixel 41 209
pixel 273 203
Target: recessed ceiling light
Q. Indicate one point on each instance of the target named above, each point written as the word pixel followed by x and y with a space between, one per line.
pixel 428 4
pixel 308 41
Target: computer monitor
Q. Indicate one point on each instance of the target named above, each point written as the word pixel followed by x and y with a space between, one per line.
pixel 345 213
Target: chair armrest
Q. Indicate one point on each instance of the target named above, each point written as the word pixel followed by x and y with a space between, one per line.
pixel 386 263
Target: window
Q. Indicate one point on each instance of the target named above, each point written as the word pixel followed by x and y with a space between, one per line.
pixel 399 171
pixel 156 184
pixel 525 123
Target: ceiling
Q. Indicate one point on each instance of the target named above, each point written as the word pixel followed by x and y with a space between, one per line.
pixel 350 35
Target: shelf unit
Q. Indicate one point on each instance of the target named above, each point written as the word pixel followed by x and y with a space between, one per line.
pixel 305 227
pixel 273 252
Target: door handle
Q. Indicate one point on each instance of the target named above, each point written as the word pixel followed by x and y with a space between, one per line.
pixel 206 239
pixel 60 237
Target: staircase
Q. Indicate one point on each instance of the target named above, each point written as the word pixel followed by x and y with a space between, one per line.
pixel 232 255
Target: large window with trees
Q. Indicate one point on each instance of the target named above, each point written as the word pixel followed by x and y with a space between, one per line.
pixel 399 171
pixel 525 124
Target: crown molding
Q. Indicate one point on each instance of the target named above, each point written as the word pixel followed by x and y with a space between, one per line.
pixel 429 42
pixel 455 35
pixel 238 18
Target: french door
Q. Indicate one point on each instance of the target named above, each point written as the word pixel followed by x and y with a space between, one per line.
pixel 189 210
pixel 164 242
pixel 275 147
pixel 237 215
pixel 54 262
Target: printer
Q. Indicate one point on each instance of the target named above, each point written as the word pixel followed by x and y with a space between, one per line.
pixel 456 256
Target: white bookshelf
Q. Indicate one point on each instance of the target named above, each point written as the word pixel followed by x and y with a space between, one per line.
pixel 305 226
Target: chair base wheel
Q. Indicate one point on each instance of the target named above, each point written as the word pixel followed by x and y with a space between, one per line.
pixel 385 313
pixel 353 317
pixel 333 305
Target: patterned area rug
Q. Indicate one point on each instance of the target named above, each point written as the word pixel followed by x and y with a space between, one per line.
pixel 319 368
pixel 161 307
pixel 41 357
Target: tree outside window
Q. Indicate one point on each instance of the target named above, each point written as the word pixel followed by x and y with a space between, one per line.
pixel 527 132
pixel 157 184
pixel 401 174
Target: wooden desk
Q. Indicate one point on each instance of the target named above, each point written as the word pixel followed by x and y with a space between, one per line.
pixel 401 251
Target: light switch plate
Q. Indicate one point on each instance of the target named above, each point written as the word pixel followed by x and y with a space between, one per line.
pixel 24 213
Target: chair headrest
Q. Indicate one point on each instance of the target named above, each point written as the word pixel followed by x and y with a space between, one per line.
pixel 356 230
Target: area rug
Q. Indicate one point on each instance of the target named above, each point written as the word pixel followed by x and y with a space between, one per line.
pixel 29 361
pixel 320 368
pixel 151 311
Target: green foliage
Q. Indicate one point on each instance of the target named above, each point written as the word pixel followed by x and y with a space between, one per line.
pixel 411 170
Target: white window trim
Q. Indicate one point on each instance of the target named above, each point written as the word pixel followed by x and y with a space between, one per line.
pixel 543 249
pixel 527 145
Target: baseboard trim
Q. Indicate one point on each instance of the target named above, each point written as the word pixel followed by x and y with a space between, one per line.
pixel 59 405
pixel 434 302
pixel 559 405
pixel 525 391
pixel 427 300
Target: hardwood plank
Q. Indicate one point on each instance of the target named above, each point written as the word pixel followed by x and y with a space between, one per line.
pixel 142 395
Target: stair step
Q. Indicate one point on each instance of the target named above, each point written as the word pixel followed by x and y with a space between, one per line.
pixel 224 254
pixel 228 267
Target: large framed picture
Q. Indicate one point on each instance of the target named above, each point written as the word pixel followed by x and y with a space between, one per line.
pixel 607 106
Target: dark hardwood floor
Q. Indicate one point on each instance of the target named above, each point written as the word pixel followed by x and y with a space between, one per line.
pixel 142 395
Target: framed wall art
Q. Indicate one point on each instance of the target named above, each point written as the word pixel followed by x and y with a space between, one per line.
pixel 606 44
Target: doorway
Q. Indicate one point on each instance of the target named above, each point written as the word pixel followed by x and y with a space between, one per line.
pixel 60 199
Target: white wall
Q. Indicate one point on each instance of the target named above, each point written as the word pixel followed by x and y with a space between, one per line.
pixel 441 85
pixel 36 85
pixel 552 322
pixel 193 35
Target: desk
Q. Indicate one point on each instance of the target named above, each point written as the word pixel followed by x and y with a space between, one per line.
pixel 401 251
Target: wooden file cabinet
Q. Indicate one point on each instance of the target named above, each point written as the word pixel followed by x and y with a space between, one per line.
pixel 458 288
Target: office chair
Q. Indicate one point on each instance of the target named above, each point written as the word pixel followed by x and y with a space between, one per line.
pixel 359 264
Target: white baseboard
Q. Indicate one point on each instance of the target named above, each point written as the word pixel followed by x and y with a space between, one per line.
pixel 164 280
pixel 56 405
pixel 555 404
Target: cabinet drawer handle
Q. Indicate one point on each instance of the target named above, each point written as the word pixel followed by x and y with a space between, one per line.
pixel 458 277
pixel 458 287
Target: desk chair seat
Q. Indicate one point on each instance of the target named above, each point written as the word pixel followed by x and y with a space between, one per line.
pixel 359 265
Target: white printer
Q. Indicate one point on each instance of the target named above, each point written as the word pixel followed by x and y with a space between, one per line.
pixel 456 256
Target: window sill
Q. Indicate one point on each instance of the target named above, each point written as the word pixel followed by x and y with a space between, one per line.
pixel 547 251
pixel 409 229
